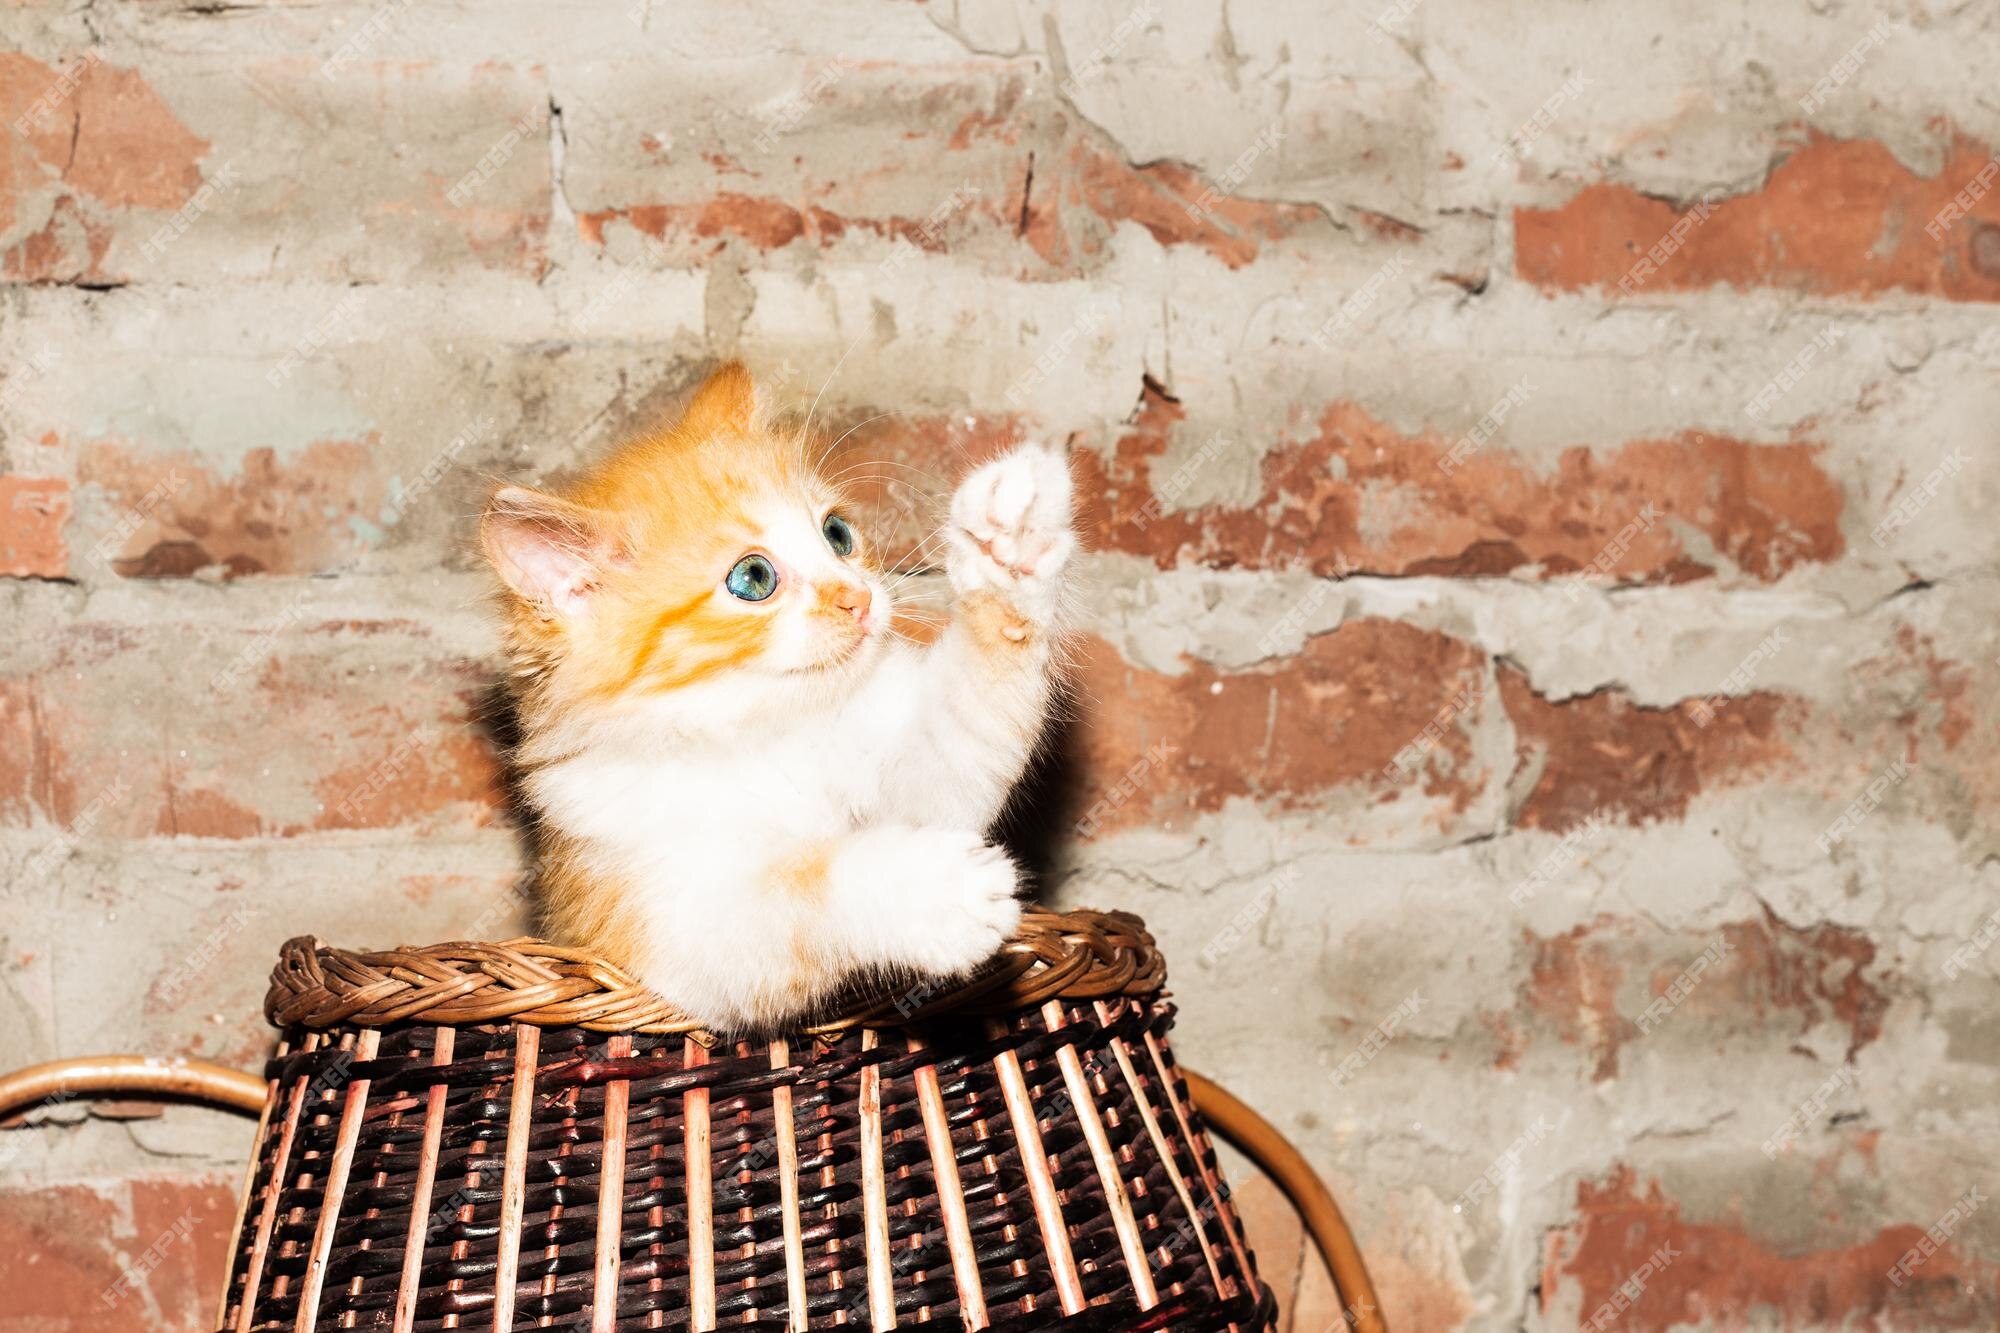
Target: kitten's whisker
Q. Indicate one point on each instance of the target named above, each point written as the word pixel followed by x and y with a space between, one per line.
pixel 827 452
pixel 922 548
pixel 925 473
pixel 883 479
pixel 805 432
pixel 919 560
pixel 922 554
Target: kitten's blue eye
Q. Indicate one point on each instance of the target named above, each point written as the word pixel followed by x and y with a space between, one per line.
pixel 753 579
pixel 838 534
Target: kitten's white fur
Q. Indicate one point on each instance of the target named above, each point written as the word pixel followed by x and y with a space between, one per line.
pixel 897 764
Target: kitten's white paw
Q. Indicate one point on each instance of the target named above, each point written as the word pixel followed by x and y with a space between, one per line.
pixel 1009 527
pixel 970 910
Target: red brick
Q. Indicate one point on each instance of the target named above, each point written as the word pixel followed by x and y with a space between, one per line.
pixel 65 1249
pixel 1281 732
pixel 300 515
pixel 1604 756
pixel 247 736
pixel 131 151
pixel 1722 1272
pixel 1176 206
pixel 1589 986
pixel 33 511
pixel 1356 495
pixel 108 145
pixel 995 164
pixel 1835 217
pixel 1573 986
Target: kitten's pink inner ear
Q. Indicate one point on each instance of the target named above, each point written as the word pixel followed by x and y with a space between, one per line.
pixel 549 551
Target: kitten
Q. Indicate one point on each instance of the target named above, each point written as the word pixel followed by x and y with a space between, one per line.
pixel 748 790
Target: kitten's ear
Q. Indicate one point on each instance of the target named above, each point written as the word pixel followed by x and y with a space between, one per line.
pixel 727 403
pixel 549 551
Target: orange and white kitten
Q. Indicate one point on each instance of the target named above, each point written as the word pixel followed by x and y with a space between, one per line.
pixel 749 791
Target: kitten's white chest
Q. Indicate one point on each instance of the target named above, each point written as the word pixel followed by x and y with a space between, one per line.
pixel 727 806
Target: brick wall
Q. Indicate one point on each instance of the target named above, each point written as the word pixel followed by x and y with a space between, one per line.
pixel 1540 466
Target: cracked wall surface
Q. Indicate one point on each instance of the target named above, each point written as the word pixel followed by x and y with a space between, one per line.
pixel 1539 467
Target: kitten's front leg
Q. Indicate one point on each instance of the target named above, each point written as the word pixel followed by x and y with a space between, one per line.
pixel 984 687
pixel 752 949
pixel 937 901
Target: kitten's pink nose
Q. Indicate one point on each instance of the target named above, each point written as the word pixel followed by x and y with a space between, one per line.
pixel 854 599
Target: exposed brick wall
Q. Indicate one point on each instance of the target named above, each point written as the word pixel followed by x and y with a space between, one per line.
pixel 1540 466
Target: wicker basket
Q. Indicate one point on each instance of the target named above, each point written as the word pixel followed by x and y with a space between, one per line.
pixel 444 1129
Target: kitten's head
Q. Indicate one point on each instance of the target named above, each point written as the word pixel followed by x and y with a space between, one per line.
pixel 704 554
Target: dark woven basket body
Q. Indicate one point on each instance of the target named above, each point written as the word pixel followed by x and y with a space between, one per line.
pixel 1022 1155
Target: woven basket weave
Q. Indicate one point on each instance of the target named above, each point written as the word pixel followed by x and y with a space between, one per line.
pixel 444 1128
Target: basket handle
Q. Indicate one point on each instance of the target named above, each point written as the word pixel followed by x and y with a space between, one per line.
pixel 1261 1142
pixel 148 1075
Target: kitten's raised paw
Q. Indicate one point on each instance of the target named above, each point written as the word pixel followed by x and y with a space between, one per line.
pixel 974 911
pixel 1009 527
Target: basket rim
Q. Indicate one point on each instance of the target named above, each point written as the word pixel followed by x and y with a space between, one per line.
pixel 1082 954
